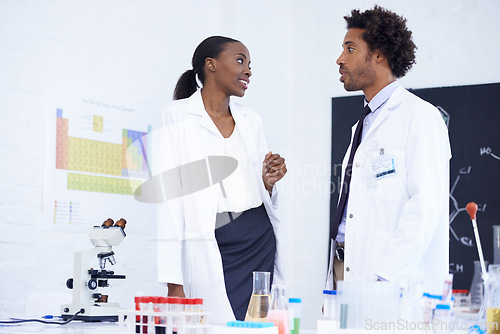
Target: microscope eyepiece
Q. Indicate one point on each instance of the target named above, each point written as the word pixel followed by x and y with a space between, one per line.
pixel 122 222
pixel 108 222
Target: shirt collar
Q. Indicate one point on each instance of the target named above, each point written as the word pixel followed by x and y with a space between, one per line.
pixel 381 98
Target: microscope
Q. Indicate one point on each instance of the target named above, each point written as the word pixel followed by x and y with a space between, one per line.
pixel 85 281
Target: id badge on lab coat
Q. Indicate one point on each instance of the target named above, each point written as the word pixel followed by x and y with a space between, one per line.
pixel 383 165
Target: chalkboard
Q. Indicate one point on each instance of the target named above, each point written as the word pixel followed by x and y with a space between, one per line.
pixel 472 115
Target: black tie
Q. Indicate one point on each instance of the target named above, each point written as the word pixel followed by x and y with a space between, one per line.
pixel 347 176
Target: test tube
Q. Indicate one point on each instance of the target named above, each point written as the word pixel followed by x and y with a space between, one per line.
pixel 198 307
pixel 138 301
pixel 144 306
pixel 157 319
pixel 189 318
pixel 186 307
pixel 165 307
pixel 175 305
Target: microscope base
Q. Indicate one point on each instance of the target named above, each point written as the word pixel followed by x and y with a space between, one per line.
pixel 94 312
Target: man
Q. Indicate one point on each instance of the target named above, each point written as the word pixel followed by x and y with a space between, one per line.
pixel 391 222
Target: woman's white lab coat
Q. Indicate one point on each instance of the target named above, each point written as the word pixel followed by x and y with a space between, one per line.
pixel 187 249
pixel 397 225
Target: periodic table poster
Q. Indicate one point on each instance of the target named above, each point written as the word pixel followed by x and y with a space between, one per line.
pixel 97 151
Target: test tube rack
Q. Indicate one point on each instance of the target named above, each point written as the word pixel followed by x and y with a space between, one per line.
pixel 165 322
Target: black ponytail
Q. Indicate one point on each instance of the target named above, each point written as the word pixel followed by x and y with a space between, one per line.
pixel 211 47
pixel 186 85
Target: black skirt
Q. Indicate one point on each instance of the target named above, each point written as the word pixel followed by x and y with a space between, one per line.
pixel 246 244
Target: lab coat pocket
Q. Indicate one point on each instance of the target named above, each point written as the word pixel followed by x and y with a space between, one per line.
pixel 381 240
pixel 386 177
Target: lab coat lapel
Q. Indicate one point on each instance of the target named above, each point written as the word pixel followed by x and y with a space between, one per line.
pixel 196 107
pixel 240 118
pixel 393 101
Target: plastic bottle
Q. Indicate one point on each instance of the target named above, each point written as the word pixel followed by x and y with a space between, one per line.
pixel 278 311
pixel 295 305
pixel 329 308
pixel 430 302
pixel 441 317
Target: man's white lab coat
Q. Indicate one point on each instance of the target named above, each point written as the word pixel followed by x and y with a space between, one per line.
pixel 397 224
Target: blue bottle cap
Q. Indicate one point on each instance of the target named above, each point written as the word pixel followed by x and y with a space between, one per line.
pixel 442 307
pixel 295 300
pixel 475 330
pixel 329 292
pixel 435 296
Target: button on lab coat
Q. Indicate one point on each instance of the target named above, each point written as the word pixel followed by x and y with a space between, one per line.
pixel 397 225
pixel 187 249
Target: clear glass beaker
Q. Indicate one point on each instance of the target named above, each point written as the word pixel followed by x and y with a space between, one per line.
pixel 496 244
pixel 259 302
pixel 492 299
pixel 477 287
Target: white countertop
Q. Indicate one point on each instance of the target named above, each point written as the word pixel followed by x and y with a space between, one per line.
pixel 77 327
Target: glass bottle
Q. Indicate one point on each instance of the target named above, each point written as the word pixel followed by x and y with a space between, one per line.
pixel 492 299
pixel 278 311
pixel 259 301
pixel 477 288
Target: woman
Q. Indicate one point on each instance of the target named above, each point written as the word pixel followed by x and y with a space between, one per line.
pixel 224 230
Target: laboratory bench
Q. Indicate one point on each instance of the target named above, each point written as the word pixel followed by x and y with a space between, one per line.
pixel 78 327
pixel 323 327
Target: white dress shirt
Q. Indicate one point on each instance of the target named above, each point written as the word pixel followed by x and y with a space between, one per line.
pixel 241 190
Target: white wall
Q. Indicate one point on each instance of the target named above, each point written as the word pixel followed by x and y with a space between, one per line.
pixel 139 49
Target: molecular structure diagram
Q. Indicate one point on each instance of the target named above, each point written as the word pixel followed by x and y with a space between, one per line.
pixel 456 209
pixel 487 151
